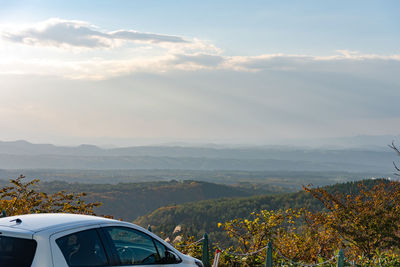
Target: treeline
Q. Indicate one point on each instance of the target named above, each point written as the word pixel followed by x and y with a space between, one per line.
pixel 285 179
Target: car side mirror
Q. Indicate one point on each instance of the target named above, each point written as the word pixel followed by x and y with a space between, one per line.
pixel 171 257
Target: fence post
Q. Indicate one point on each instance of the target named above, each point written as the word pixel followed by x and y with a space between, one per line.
pixel 340 260
pixel 206 256
pixel 268 258
pixel 149 228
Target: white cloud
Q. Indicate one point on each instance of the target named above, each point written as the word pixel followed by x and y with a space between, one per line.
pixel 307 62
pixel 155 53
pixel 70 33
pixel 167 60
pixel 79 50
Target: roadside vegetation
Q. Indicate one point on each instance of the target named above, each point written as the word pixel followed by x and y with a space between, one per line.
pixel 361 218
pixel 23 197
pixel 365 224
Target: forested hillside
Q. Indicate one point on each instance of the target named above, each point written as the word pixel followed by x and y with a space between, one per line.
pixel 203 216
pixel 129 200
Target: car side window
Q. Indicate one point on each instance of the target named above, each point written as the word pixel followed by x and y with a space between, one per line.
pixel 161 249
pixel 83 249
pixel 166 255
pixel 16 252
pixel 133 247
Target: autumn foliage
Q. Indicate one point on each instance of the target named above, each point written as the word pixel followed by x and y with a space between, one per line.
pixel 22 197
pixel 293 234
pixel 365 224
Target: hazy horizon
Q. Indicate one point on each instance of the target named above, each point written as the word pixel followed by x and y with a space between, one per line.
pixel 380 142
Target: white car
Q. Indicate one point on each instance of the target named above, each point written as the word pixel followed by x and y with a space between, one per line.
pixel 70 240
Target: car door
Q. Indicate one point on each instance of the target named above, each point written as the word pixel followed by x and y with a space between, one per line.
pixel 82 247
pixel 132 247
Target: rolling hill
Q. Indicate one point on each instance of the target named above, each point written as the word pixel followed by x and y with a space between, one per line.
pixel 203 216
pixel 127 201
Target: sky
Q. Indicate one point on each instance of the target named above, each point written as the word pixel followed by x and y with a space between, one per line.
pixel 225 72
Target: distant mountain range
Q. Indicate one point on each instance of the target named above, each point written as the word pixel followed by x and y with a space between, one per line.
pixel 25 155
pixel 364 142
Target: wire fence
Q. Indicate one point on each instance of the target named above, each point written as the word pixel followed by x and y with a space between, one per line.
pixel 269 260
pixel 245 254
pixel 303 264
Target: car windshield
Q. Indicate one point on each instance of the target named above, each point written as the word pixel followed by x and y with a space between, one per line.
pixel 16 252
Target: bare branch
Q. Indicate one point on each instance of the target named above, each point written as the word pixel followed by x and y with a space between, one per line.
pixel 395 148
pixel 395 166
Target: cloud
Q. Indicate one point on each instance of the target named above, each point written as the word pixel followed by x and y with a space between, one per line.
pixel 285 62
pixel 195 61
pixel 98 68
pixel 146 37
pixel 316 68
pixel 157 53
pixel 71 33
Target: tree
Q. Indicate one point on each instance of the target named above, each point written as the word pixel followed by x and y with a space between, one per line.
pixel 368 221
pixel 295 234
pixel 22 198
pixel 396 149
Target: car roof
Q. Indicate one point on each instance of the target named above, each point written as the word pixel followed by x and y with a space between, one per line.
pixel 46 221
